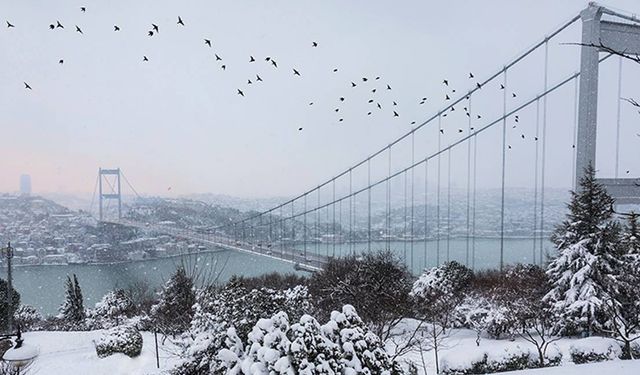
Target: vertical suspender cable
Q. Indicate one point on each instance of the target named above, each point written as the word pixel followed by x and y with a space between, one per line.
pixel 281 233
pixel 341 229
pixel 466 262
pixel 475 185
pixel 413 171
pixel 293 232
pixel 389 202
pixel 333 230
pixel 426 228
pixel 448 205
pixel 317 226
pixel 350 211
pixel 504 162
pixel 369 206
pixel 438 192
pixel 544 146
pixel 304 233
pixel 618 117
pixel 404 231
pixel 535 183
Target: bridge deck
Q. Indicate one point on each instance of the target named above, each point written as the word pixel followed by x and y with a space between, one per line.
pixel 311 262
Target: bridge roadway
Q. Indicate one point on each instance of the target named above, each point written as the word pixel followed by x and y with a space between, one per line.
pixel 311 262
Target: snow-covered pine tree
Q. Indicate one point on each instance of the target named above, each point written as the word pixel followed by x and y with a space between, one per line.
pixel 268 350
pixel 311 352
pixel 362 351
pixel 72 312
pixel 623 309
pixel 173 312
pixel 582 275
pixel 113 309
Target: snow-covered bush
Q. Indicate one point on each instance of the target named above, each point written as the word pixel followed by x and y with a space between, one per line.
pixel 510 358
pixel 113 309
pixel 121 339
pixel 594 349
pixel 344 345
pixel 27 317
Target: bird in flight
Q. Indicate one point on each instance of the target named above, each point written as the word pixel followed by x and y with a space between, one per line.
pixel 446 97
pixel 267 58
pixel 9 24
pixel 459 130
pixel 258 78
pixel 513 94
pixel 364 79
pixel 61 61
pixel 446 83
pixel 59 25
pixel 335 70
pixel 52 26
pixel 150 33
pixel 180 21
pixel 501 86
pixel 373 91
pixel 26 86
pixel 441 131
pixel 470 75
pixel 509 147
pixel 78 29
pixel 368 113
pixel 249 82
pixel 479 117
pixel 379 106
pixel 300 129
pixel 223 67
pixel 273 62
pixel 218 58
pixel 296 73
pixel 116 28
pixel 394 103
pixel 251 59
pixel 83 9
pixel 207 42
pixel 144 58
pixel 240 92
pixel 388 87
pixel 478 85
pixel 155 27
pixel 314 44
pixel 395 114
pixel 522 135
pixel 341 99
pixel 353 84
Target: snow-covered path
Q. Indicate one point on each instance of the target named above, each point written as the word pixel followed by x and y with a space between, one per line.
pixel 608 368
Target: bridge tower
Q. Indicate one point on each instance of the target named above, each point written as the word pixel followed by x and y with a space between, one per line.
pixel 596 34
pixel 112 193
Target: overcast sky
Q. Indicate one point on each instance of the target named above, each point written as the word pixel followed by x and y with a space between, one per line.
pixel 176 121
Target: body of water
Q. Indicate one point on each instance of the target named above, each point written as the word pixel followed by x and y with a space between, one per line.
pixel 43 286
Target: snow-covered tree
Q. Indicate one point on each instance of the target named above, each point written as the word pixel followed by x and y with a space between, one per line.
pixel 376 284
pixel 312 352
pixel 173 312
pixel 113 309
pixel 27 317
pixel 15 302
pixel 72 312
pixel 623 308
pixel 268 347
pixel 583 273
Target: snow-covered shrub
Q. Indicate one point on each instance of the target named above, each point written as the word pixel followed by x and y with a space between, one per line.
pixel 344 345
pixel 594 349
pixel 27 317
pixel 113 309
pixel 510 358
pixel 121 339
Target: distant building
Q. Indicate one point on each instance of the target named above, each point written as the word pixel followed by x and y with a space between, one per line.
pixel 25 185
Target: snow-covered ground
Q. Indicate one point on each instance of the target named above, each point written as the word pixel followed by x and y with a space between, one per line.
pixel 74 352
pixel 60 352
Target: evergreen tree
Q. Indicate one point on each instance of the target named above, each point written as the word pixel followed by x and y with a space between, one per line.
pixel 72 311
pixel 173 312
pixel 582 275
pixel 15 302
pixel 623 309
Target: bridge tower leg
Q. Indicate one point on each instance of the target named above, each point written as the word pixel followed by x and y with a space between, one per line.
pixel 596 34
pixel 113 191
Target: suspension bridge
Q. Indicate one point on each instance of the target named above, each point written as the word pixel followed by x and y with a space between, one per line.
pixel 420 191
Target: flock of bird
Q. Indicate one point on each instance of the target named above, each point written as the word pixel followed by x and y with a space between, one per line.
pixel 373 85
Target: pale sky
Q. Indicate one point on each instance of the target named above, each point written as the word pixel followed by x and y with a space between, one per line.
pixel 176 121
